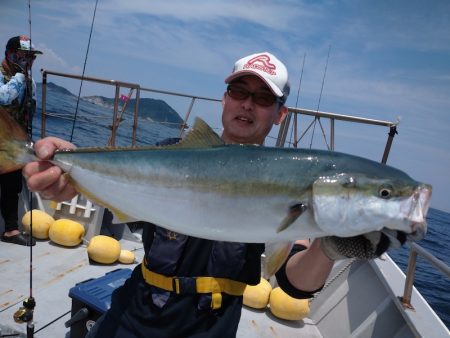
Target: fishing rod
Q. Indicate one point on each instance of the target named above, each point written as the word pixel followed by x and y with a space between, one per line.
pixel 25 313
pixel 318 105
pixel 84 69
pixel 295 143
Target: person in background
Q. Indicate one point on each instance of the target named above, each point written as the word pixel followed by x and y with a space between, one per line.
pixel 147 305
pixel 15 87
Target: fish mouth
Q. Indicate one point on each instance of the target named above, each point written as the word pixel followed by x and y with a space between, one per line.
pixel 419 232
pixel 420 203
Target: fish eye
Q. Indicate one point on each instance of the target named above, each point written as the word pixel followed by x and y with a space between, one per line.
pixel 385 191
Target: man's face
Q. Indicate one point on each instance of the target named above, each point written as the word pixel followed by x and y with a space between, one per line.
pixel 21 60
pixel 245 121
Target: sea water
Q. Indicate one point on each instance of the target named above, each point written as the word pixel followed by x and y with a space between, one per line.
pixel 92 127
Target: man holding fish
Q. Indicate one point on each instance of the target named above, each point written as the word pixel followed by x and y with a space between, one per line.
pixel 189 286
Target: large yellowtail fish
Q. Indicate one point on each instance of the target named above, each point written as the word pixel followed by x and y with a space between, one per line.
pixel 242 193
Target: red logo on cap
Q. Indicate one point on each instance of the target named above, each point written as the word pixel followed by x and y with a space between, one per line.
pixel 24 38
pixel 261 62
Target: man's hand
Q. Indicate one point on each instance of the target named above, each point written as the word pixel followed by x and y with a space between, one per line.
pixel 366 246
pixel 46 178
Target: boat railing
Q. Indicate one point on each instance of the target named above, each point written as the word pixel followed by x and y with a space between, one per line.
pixel 290 123
pixel 283 130
pixel 116 118
pixel 417 250
pixel 294 113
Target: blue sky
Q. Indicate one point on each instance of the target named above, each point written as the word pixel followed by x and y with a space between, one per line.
pixel 388 60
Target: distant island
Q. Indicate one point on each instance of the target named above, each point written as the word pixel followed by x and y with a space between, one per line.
pixel 155 110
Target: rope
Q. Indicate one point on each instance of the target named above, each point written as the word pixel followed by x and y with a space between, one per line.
pixel 54 321
pixel 324 135
pixel 333 279
pixel 314 129
pixel 300 81
pixel 82 75
pixel 323 79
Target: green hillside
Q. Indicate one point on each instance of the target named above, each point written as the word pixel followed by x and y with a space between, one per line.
pixel 156 110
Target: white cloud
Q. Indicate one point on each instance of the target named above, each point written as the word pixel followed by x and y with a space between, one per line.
pixel 50 60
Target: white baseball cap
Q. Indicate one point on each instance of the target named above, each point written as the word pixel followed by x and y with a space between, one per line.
pixel 22 43
pixel 268 68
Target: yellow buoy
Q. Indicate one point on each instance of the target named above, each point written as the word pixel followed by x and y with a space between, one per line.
pixel 286 307
pixel 103 249
pixel 66 232
pixel 41 223
pixel 126 257
pixel 257 296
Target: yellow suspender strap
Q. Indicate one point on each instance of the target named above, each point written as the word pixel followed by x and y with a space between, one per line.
pixel 192 285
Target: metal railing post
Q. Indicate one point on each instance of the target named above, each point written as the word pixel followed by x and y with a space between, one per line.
pixel 186 117
pixel 387 149
pixel 136 115
pixel 332 134
pixel 44 100
pixel 410 273
pixel 282 132
pixel 416 249
pixel 114 121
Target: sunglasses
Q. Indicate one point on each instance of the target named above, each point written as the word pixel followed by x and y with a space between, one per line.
pixel 262 99
pixel 25 55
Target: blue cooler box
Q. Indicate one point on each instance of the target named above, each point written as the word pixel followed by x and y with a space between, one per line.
pixel 91 298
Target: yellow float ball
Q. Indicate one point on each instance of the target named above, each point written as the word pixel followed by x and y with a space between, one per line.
pixel 41 223
pixel 126 257
pixel 103 249
pixel 286 307
pixel 66 232
pixel 257 296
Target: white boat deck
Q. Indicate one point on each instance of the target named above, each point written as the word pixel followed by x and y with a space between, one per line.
pixel 56 269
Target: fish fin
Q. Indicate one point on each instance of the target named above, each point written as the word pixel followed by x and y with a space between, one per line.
pixel 15 147
pixel 120 217
pixel 275 256
pixel 294 212
pixel 201 135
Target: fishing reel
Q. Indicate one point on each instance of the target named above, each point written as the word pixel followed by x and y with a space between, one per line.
pixel 25 313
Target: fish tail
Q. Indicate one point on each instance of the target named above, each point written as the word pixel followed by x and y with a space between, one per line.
pixel 15 149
